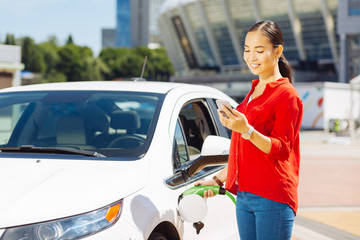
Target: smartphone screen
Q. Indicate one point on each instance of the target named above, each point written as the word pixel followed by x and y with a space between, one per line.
pixel 219 103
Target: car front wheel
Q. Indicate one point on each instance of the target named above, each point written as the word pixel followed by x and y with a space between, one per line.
pixel 157 236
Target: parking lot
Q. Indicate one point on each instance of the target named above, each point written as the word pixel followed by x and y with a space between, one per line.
pixel 329 192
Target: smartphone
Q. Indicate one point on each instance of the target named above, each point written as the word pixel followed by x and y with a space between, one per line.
pixel 219 103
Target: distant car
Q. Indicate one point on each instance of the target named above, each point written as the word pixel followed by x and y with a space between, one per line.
pixel 108 160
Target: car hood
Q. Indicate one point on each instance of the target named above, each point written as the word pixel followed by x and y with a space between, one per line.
pixel 36 190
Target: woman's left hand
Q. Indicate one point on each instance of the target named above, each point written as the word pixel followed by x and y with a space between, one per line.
pixel 235 121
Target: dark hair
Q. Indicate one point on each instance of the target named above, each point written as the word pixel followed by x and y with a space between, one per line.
pixel 272 31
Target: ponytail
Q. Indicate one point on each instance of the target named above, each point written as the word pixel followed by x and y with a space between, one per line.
pixel 285 68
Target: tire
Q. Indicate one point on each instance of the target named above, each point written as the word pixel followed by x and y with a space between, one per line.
pixel 157 236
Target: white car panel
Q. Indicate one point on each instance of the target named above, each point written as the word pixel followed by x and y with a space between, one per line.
pixel 52 189
pixel 40 189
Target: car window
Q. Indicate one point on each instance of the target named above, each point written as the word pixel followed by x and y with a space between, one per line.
pixel 9 116
pixel 182 154
pixel 112 123
pixel 196 124
pixel 223 131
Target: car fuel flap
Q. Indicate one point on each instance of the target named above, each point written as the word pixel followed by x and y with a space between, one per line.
pixel 36 190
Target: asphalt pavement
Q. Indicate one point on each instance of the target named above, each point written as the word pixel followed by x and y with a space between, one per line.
pixel 329 189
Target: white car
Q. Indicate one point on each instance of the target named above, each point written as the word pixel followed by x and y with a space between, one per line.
pixel 109 160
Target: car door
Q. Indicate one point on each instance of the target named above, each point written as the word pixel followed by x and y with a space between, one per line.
pixel 196 121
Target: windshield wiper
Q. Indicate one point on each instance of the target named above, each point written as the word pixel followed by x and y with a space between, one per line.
pixel 32 148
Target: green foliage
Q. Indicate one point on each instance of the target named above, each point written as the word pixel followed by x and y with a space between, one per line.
pixel 53 40
pixel 69 40
pixel 53 76
pixel 31 56
pixel 110 57
pixel 71 58
pixel 94 69
pixel 76 63
pixel 127 63
pixel 162 67
pixel 49 50
pixel 10 39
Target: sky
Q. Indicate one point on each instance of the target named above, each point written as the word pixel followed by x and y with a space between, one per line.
pixel 39 19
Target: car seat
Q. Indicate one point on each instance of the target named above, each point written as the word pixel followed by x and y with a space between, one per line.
pixel 70 132
pixel 128 122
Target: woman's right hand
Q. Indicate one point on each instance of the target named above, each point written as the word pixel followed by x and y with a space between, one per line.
pixel 207 182
pixel 211 182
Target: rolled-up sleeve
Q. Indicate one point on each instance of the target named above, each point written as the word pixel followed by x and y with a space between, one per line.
pixel 288 117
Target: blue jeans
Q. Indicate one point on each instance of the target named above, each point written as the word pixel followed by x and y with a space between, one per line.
pixel 259 218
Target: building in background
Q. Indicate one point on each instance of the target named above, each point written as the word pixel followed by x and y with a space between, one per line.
pixel 154 9
pixel 10 66
pixel 349 31
pixel 205 38
pixel 131 23
pixel 107 37
pixel 136 24
pixel 123 24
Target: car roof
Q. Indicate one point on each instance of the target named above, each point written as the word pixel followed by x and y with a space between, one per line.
pixel 138 86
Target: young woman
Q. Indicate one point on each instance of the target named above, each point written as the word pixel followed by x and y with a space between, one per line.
pixel 264 159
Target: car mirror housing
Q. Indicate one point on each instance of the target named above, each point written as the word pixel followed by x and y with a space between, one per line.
pixel 204 161
pixel 215 145
pixel 215 151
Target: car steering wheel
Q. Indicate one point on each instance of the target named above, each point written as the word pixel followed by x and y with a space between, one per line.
pixel 127 141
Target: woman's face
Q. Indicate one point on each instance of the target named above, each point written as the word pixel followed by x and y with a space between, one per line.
pixel 260 55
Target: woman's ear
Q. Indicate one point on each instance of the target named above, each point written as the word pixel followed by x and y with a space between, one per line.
pixel 279 52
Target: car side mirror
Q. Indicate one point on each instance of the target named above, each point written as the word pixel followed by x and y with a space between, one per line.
pixel 215 145
pixel 215 151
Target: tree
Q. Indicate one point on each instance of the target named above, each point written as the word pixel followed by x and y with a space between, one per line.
pixel 128 66
pixel 94 69
pixel 70 62
pixel 74 62
pixel 31 56
pixel 143 51
pixel 10 39
pixel 49 50
pixel 110 57
pixel 127 63
pixel 161 65
pixel 53 76
pixel 53 39
pixel 69 40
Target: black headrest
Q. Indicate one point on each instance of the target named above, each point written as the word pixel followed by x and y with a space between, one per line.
pixel 128 120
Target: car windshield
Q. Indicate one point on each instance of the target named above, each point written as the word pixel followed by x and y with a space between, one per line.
pixel 111 123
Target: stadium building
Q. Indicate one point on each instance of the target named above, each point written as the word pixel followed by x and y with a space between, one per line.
pixel 205 38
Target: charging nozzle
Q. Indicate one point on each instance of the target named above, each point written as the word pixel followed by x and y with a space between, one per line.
pixel 199 190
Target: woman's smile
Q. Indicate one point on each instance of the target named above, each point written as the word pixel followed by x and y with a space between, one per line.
pixel 253 65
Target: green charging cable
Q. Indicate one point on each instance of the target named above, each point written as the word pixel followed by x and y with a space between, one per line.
pixel 199 190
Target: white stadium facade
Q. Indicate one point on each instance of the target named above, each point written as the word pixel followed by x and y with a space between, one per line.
pixel 204 38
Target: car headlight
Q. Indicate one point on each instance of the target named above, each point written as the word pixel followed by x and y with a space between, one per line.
pixel 68 228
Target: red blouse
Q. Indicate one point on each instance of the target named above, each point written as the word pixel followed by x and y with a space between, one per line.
pixel 277 113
